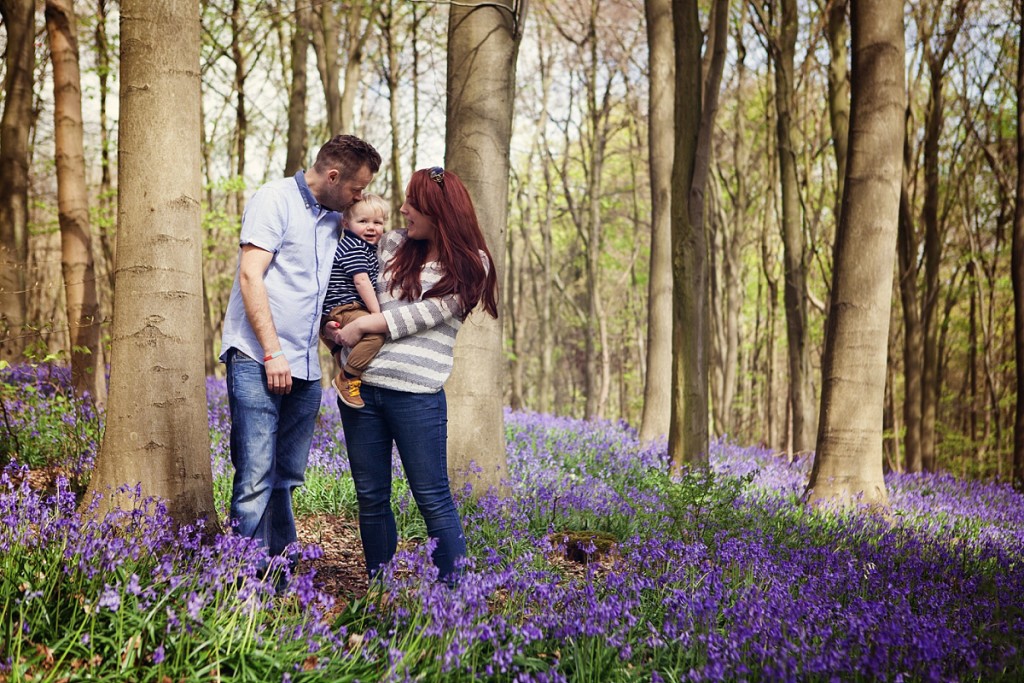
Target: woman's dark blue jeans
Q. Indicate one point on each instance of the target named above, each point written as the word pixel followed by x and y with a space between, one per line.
pixel 418 425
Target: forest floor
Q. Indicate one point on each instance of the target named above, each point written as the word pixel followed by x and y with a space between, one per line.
pixel 340 571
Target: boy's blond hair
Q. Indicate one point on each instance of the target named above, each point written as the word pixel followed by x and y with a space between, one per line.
pixel 374 203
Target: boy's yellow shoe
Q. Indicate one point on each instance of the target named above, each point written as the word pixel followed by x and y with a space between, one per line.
pixel 348 390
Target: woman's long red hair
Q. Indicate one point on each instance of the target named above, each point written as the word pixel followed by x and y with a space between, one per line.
pixel 459 243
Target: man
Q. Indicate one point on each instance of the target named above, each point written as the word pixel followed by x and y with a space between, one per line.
pixel 290 231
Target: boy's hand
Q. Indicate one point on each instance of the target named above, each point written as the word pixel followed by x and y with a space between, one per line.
pixel 332 331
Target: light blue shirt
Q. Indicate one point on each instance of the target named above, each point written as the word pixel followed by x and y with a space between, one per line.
pixel 284 218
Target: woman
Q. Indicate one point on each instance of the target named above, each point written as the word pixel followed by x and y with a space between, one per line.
pixel 433 274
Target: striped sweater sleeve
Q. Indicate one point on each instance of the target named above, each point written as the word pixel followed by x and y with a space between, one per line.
pixel 417 316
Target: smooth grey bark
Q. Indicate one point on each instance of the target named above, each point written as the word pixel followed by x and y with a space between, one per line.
pixel 848 462
pixel 687 437
pixel 696 104
pixel 657 409
pixel 483 44
pixel 157 432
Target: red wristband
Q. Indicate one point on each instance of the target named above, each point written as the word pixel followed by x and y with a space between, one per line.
pixel 272 356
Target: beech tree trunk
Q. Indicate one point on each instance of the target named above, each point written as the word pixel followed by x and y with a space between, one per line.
pixel 357 34
pixel 848 462
pixel 15 125
pixel 330 70
pixel 801 394
pixel 1017 275
pixel 298 136
pixel 483 44
pixel 157 430
pixel 389 34
pixel 912 331
pixel 687 437
pixel 838 91
pixel 88 373
pixel 729 233
pixel 696 103
pixel 241 115
pixel 657 391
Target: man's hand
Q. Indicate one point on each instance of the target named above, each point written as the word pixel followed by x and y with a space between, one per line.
pixel 279 375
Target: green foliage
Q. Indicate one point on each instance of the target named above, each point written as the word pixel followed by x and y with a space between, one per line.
pixel 700 503
pixel 43 424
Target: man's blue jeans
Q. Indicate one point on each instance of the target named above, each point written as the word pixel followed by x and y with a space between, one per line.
pixel 270 439
pixel 418 425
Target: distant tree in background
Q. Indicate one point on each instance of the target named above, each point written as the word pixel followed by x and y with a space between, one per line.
pixel 88 371
pixel 298 132
pixel 1017 273
pixel 15 126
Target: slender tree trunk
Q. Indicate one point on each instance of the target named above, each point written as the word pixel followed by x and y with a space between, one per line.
pixel 912 334
pixel 932 261
pixel 241 116
pixel 535 216
pixel 87 368
pixel 848 463
pixel 595 307
pixel 935 58
pixel 801 398
pixel 357 35
pixel 298 136
pixel 726 306
pixel 730 230
pixel 330 70
pixel 657 391
pixel 892 413
pixel 971 385
pixel 696 103
pixel 483 43
pixel 777 402
pixel 546 332
pixel 700 274
pixel 389 33
pixel 1017 275
pixel 592 224
pixel 414 39
pixel 687 437
pixel 517 267
pixel 108 208
pixel 157 429
pixel 15 125
pixel 838 92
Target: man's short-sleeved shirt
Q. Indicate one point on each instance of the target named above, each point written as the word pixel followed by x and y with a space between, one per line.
pixel 284 218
